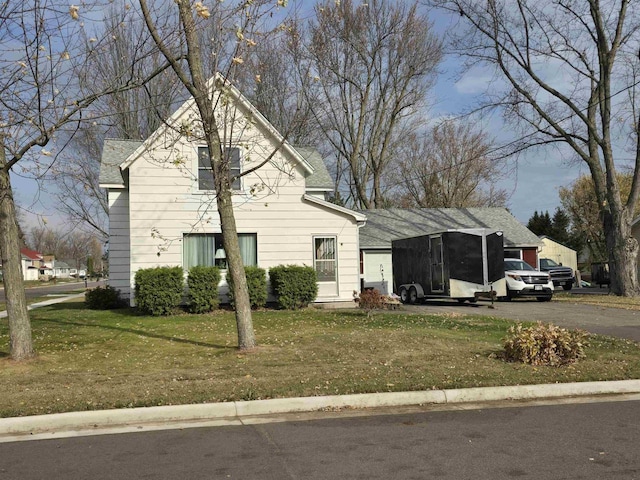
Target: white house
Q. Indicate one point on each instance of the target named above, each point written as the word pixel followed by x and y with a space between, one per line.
pixel 61 269
pixel 162 210
pixel 31 261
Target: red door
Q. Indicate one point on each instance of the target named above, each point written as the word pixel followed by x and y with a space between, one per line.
pixel 530 255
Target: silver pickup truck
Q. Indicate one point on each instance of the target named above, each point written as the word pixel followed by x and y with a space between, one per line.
pixel 561 276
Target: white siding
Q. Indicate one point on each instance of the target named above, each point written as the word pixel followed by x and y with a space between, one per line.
pixel 559 253
pixel 119 247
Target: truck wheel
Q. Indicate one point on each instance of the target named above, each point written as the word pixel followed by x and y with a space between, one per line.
pixel 567 286
pixel 413 296
pixel 404 295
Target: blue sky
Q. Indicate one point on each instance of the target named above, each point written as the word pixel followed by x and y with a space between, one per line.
pixel 533 179
pixel 532 183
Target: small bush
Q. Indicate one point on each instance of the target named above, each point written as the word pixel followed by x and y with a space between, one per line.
pixel 158 291
pixel 369 300
pixel 293 286
pixel 203 289
pixel 257 285
pixel 103 298
pixel 544 345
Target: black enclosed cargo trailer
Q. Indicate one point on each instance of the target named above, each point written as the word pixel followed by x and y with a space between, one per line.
pixel 463 264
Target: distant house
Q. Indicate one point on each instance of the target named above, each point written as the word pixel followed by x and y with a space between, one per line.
pixel 31 262
pixel 386 225
pixel 162 208
pixel 559 253
pixel 61 269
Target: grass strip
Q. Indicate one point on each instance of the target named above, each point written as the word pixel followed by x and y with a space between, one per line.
pixel 98 360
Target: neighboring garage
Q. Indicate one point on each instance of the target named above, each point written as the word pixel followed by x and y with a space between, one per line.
pixel 384 226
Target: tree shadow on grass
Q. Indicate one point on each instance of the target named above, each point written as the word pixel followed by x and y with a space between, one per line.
pixel 128 312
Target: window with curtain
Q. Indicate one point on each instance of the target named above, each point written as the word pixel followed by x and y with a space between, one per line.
pixel 205 172
pixel 325 258
pixel 206 249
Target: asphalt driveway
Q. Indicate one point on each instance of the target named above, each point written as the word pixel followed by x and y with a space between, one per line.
pixel 616 322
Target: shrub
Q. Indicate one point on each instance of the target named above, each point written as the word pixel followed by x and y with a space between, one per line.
pixel 544 345
pixel 257 285
pixel 158 291
pixel 203 289
pixel 103 298
pixel 293 286
pixel 369 300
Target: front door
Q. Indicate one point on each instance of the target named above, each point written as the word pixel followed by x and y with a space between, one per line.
pixel 325 261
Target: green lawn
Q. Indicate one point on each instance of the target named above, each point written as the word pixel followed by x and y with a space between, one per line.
pixel 93 360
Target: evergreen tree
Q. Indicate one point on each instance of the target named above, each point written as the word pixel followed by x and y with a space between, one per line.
pixel 560 227
pixel 540 224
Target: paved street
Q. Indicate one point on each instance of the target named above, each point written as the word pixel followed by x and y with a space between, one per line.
pixel 581 441
pixel 53 290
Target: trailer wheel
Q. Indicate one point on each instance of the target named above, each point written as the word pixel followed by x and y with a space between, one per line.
pixel 404 295
pixel 413 295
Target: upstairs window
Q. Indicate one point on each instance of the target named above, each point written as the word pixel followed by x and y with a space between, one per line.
pixel 205 172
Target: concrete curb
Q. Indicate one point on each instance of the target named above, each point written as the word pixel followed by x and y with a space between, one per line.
pixel 139 417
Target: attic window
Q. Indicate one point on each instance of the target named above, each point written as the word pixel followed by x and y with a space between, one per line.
pixel 205 172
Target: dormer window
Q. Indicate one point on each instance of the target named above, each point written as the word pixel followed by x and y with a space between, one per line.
pixel 205 172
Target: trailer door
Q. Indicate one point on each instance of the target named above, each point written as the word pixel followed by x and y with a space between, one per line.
pixel 437 264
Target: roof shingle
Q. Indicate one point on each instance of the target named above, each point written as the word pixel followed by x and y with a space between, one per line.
pixel 383 226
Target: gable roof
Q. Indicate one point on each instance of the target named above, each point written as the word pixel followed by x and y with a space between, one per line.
pixel 383 226
pixel 222 84
pixel 547 237
pixel 114 153
pixel 30 254
pixel 320 179
pixel 119 154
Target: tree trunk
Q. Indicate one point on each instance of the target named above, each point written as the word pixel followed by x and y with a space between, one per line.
pixel 20 342
pixel 244 323
pixel 623 255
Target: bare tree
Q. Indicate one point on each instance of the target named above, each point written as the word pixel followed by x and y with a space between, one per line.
pixel 40 62
pixel 372 65
pixel 128 52
pixel 230 33
pixel 567 74
pixel 449 166
pixel 79 195
pixel 68 245
pixel 279 86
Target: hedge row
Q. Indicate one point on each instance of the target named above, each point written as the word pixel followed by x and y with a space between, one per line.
pixel 159 290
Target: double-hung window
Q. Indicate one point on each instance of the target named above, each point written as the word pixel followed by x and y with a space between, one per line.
pixel 205 172
pixel 324 258
pixel 206 249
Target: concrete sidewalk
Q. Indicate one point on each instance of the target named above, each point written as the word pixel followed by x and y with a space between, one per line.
pixel 45 303
pixel 237 413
